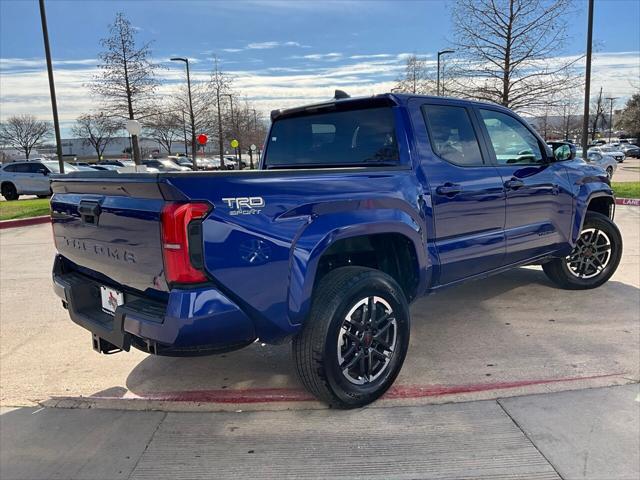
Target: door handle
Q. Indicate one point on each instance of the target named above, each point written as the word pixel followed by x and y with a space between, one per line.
pixel 513 184
pixel 449 189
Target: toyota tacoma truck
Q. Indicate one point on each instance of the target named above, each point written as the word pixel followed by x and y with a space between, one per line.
pixel 359 207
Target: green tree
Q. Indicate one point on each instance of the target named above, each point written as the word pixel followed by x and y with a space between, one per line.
pixel 629 118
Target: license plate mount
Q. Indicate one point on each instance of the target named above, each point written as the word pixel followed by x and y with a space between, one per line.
pixel 111 299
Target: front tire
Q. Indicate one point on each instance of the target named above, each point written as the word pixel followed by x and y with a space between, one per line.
pixel 594 258
pixel 356 337
pixel 9 192
pixel 609 172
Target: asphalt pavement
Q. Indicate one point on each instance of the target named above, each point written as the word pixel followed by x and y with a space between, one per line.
pixel 474 399
pixel 511 334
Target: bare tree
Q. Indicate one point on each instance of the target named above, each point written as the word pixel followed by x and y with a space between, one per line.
pixel 203 108
pixel 597 107
pixel 571 122
pixel 220 86
pixel 97 130
pixel 24 133
pixel 506 51
pixel 127 78
pixel 165 128
pixel 629 119
pixel 417 77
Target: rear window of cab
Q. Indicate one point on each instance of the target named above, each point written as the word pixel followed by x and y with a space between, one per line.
pixel 358 137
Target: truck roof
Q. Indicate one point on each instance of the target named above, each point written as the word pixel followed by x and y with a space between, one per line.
pixel 382 99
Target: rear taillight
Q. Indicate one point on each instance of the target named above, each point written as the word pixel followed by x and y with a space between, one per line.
pixel 182 241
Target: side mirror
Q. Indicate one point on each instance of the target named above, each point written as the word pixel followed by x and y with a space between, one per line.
pixel 44 172
pixel 563 153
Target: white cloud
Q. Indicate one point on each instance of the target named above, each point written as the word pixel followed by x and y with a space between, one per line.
pixel 262 45
pixel 375 55
pixel 333 56
pixel 14 63
pixel 24 86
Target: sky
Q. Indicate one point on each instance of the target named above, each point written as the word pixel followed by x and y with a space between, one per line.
pixel 281 53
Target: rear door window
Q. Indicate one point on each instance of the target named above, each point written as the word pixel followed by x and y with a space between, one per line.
pixel 452 135
pixel 22 168
pixel 362 137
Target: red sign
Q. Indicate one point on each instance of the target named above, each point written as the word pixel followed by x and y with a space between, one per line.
pixel 202 139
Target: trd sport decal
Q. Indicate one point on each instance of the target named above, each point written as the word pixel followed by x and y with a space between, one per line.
pixel 244 205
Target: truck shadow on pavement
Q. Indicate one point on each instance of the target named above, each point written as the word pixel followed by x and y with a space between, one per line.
pixel 510 327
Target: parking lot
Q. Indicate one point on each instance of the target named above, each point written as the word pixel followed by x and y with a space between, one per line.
pixel 498 339
pixel 507 335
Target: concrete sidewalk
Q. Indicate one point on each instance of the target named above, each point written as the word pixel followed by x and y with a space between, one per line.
pixel 575 434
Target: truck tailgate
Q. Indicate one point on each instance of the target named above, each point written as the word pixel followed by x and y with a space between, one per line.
pixel 111 226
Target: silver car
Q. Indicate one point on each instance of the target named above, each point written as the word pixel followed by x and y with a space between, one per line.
pixel 29 178
pixel 607 162
pixel 606 150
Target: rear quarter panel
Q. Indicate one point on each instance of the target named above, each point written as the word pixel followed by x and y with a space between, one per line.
pixel 266 261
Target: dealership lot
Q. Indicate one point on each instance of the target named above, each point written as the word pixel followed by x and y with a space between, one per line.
pixel 483 346
pixel 507 335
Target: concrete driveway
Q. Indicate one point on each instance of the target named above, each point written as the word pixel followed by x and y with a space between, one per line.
pixel 508 335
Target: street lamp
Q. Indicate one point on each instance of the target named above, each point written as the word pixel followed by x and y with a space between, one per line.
pixel 440 53
pixel 193 121
pixel 611 99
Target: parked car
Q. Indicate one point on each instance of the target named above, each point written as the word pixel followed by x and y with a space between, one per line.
pixel 631 151
pixel 29 178
pixel 360 206
pixel 207 164
pixel 607 162
pixel 165 165
pixel 615 153
pixel 98 166
pixel 117 163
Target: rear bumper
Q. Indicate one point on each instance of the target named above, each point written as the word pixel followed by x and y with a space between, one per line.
pixel 192 322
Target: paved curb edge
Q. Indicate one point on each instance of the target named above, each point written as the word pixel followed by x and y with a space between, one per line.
pixel 24 222
pixel 633 202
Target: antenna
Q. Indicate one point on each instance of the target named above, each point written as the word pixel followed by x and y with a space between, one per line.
pixel 340 94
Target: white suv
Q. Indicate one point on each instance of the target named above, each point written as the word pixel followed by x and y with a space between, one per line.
pixel 29 178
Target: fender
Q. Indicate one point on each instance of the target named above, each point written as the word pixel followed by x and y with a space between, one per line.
pixel 590 188
pixel 324 230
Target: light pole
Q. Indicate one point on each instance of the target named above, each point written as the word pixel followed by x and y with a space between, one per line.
pixel 52 87
pixel 440 53
pixel 611 99
pixel 184 130
pixel 193 120
pixel 587 82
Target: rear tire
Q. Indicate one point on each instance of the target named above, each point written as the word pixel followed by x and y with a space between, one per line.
pixel 594 258
pixel 9 192
pixel 355 339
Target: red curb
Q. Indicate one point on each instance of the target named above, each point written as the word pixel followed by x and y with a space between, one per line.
pixel 272 395
pixel 24 222
pixel 634 202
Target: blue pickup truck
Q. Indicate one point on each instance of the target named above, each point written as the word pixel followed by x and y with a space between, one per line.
pixel 360 206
